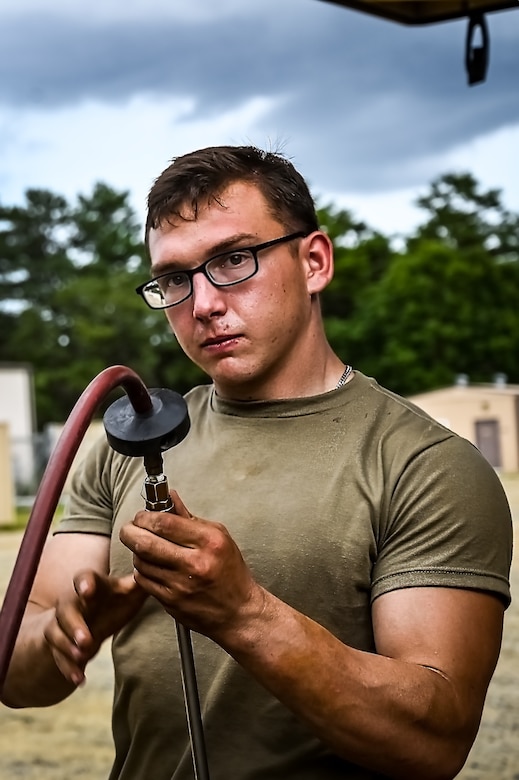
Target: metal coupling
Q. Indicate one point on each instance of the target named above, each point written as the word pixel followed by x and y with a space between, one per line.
pixel 155 493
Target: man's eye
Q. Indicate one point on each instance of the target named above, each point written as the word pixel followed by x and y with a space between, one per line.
pixel 172 280
pixel 234 259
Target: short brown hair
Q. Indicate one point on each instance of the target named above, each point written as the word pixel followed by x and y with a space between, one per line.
pixel 197 178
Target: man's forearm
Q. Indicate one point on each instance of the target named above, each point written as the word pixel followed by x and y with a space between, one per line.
pixel 33 679
pixel 354 700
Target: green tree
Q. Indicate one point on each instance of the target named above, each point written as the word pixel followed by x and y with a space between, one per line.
pixel 445 304
pixel 362 257
pixel 33 249
pixel 68 275
pixel 439 312
pixel 462 216
pixel 448 304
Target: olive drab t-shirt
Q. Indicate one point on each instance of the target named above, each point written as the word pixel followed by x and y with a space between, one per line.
pixel 333 501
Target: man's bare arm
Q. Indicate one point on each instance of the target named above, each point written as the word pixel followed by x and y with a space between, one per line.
pixel 413 709
pixel 54 642
pixel 410 710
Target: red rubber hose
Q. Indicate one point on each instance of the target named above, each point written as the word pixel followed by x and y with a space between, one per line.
pixel 49 493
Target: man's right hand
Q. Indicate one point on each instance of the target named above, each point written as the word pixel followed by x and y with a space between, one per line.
pixel 99 607
pixel 73 607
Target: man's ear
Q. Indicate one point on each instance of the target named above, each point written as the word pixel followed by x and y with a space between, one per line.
pixel 318 257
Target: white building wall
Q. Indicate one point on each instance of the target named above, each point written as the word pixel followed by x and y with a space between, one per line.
pixel 17 411
pixel 6 478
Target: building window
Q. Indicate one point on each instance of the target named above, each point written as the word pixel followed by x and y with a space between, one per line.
pixel 488 441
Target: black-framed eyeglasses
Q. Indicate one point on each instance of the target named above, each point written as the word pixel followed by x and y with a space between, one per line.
pixel 222 270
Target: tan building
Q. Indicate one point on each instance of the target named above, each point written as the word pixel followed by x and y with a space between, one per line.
pixel 486 414
pixel 7 513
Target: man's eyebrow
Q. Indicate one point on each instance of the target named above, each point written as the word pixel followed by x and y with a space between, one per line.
pixel 231 242
pixel 243 239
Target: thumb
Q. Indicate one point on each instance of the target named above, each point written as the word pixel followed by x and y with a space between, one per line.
pixel 86 583
pixel 127 587
pixel 91 586
pixel 179 508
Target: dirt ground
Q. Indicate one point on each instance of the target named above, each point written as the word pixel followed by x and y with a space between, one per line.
pixel 72 741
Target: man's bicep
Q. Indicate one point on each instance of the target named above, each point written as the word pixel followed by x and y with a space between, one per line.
pixel 64 555
pixel 455 631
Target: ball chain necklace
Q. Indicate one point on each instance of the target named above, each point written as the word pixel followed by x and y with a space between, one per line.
pixel 344 378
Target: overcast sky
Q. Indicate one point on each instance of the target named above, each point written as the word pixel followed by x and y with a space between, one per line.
pixel 369 110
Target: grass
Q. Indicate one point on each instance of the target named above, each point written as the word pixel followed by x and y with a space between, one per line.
pixel 20 520
pixel 22 514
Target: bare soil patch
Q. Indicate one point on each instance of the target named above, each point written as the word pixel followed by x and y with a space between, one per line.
pixel 71 740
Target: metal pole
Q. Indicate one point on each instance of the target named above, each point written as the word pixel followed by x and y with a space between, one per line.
pixel 158 499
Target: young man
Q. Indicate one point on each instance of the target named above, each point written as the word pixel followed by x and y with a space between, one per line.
pixel 342 558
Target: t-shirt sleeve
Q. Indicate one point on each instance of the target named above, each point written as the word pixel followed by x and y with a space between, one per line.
pixel 448 524
pixel 88 507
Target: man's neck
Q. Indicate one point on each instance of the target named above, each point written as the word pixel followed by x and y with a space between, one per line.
pixel 303 381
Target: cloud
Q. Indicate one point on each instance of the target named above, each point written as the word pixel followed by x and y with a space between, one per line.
pixel 67 150
pixel 361 104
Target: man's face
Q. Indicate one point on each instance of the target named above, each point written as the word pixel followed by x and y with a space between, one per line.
pixel 246 337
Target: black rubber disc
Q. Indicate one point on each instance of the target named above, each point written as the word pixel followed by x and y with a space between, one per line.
pixel 138 435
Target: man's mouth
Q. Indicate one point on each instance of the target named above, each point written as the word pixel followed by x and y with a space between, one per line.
pixel 220 341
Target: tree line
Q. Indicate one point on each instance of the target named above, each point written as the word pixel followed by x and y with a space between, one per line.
pixel 442 302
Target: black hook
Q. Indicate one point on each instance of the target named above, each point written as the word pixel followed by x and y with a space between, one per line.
pixel 476 57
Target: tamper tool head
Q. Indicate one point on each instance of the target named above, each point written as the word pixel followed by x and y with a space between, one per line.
pixel 139 435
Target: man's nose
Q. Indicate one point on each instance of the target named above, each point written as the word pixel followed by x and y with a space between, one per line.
pixel 208 300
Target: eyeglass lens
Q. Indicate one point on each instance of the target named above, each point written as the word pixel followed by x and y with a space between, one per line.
pixel 226 269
